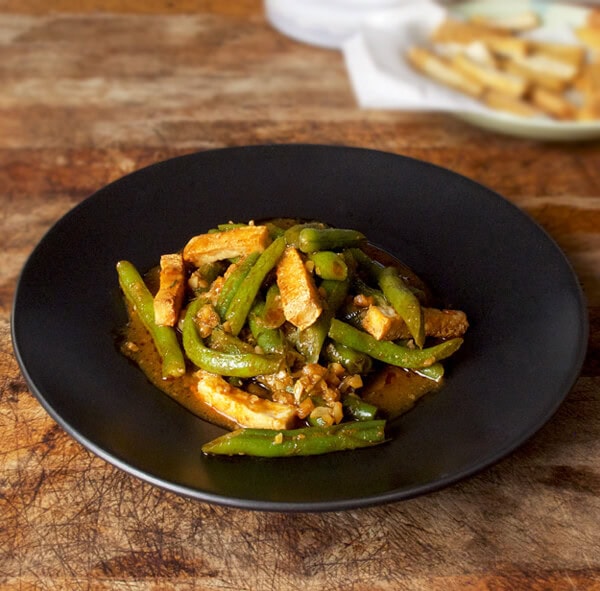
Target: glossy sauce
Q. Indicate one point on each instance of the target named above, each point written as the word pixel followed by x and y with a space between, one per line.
pixel 137 345
pixel 393 390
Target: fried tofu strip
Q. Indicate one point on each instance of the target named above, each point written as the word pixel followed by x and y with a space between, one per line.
pixel 242 241
pixel 299 296
pixel 384 324
pixel 247 410
pixel 169 298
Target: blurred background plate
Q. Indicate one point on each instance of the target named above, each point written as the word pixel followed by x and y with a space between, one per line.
pixel 390 82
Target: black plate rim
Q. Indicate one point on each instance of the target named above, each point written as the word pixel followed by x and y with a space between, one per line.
pixel 304 506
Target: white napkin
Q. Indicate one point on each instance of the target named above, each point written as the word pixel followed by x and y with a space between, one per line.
pixel 382 78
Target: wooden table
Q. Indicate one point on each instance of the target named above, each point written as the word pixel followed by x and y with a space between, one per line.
pixel 89 94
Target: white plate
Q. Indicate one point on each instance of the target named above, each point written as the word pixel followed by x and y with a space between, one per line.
pixel 382 79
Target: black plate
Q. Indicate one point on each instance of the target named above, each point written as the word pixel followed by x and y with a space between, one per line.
pixel 522 353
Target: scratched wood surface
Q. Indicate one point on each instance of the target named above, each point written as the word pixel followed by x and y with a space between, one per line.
pixel 92 90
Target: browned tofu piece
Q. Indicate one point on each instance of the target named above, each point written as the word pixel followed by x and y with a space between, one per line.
pixel 247 410
pixel 168 299
pixel 299 296
pixel 242 241
pixel 383 323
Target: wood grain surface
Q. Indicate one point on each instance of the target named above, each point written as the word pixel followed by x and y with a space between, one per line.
pixel 90 91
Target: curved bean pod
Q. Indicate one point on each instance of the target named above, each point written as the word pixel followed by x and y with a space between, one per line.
pixel 307 441
pixel 164 337
pixel 238 309
pixel 241 365
pixel 389 352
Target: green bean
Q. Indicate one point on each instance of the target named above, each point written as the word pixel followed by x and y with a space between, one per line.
pixel 359 410
pixel 404 301
pixel 268 339
pixel 292 234
pixel 313 239
pixel 233 282
pixel 352 360
pixel 352 314
pixel 389 352
pixel 219 340
pixel 374 270
pixel 329 265
pixel 305 441
pixel 372 267
pixel 310 340
pixel 275 231
pixel 242 365
pixel 238 309
pixel 273 315
pixel 227 227
pixel 361 287
pixel 164 337
pixel 210 271
pixel 434 372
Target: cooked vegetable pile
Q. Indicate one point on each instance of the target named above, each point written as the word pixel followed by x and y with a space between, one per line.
pixel 276 326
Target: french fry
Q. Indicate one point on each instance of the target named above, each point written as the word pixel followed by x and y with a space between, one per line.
pixel 590 88
pixel 454 31
pixel 476 51
pixel 552 103
pixel 590 110
pixel 589 82
pixel 542 70
pixel 571 54
pixel 440 69
pixel 508 104
pixel 590 36
pixel 490 77
pixel 593 19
